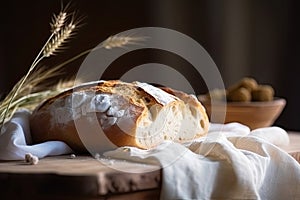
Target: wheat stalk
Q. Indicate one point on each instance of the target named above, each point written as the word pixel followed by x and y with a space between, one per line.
pixel 30 101
pixel 29 96
pixel 34 90
pixel 111 42
pixel 58 37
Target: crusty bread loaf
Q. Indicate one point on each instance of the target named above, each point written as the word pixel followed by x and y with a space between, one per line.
pixel 133 114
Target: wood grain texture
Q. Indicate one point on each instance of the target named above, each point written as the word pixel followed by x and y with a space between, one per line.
pixel 79 178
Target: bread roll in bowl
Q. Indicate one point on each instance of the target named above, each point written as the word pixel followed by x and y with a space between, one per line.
pixel 130 114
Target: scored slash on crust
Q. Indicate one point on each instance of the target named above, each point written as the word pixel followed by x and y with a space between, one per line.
pixel 130 114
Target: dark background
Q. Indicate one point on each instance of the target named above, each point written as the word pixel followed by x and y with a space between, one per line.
pixel 244 37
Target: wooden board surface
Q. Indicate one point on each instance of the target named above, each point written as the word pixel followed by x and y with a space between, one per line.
pixel 79 178
pixel 294 147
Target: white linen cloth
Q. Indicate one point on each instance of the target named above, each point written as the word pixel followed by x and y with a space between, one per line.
pixel 232 162
pixel 15 140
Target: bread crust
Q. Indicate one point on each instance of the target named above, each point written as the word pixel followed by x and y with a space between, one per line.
pixel 54 119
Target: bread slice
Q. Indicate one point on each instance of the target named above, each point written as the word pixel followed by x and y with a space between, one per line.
pixel 130 114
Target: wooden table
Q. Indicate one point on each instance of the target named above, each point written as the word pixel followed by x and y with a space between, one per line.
pixel 294 147
pixel 84 177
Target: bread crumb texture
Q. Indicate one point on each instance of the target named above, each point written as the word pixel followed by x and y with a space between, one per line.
pixel 136 114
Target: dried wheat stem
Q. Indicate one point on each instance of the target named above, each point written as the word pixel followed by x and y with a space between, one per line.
pixel 55 44
pixel 15 93
pixel 58 22
pixel 109 43
pixel 56 25
pixel 75 57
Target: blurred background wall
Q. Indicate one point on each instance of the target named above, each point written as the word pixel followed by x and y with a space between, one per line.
pixel 244 38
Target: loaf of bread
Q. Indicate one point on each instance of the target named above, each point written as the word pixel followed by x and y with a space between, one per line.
pixel 130 114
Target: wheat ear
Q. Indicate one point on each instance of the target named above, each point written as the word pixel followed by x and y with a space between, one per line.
pixel 120 41
pixel 57 38
pixel 58 22
pixel 61 37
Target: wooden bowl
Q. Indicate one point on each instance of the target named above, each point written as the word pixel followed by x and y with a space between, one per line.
pixel 253 114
